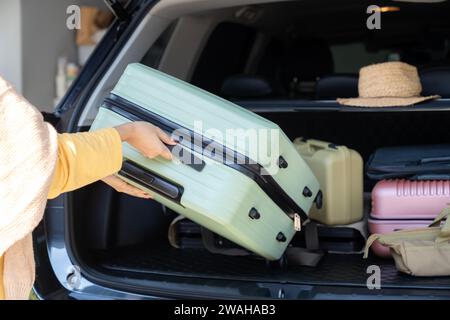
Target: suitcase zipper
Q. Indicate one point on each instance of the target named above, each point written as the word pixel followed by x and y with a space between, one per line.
pixel 297 222
pixel 134 112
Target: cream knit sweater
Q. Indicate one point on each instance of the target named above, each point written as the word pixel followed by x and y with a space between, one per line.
pixel 28 152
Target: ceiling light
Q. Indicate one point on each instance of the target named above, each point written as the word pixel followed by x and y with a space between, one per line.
pixel 388 9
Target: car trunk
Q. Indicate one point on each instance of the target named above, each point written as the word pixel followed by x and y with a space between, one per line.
pixel 126 238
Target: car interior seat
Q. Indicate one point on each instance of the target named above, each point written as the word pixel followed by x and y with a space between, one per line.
pixel 285 71
pixel 262 82
pixel 245 86
pixel 436 80
pixel 333 86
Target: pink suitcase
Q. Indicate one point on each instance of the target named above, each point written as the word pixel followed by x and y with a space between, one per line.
pixel 386 226
pixel 404 204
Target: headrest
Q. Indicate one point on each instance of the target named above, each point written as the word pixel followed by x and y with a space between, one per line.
pixel 245 86
pixel 331 87
pixel 436 80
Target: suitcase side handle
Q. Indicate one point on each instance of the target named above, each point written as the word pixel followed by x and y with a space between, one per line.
pixel 316 145
pixel 150 180
pixel 319 145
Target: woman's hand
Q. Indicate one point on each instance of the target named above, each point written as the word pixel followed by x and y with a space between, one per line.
pixel 150 141
pixel 147 138
pixel 121 186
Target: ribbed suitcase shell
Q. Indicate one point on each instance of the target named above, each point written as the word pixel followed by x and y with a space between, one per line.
pixel 405 204
pixel 409 199
pixel 340 174
pixel 217 197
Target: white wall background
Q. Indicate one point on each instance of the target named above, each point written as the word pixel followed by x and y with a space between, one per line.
pixel 10 42
pixel 33 34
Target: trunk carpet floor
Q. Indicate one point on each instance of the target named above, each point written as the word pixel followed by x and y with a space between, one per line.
pixel 334 269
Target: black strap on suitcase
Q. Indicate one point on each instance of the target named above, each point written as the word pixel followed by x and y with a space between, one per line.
pixel 184 233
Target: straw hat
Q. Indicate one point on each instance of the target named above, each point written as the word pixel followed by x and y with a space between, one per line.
pixel 387 84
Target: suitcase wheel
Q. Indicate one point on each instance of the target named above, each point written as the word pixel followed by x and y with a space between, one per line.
pixel 277 264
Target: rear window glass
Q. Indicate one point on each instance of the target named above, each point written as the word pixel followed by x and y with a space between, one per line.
pixel 360 57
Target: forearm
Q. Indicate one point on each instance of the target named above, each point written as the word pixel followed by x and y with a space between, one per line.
pixel 84 158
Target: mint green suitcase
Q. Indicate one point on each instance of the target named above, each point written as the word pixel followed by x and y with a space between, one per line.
pixel 221 183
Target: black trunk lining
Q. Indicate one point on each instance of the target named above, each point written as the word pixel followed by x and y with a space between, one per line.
pixel 334 269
